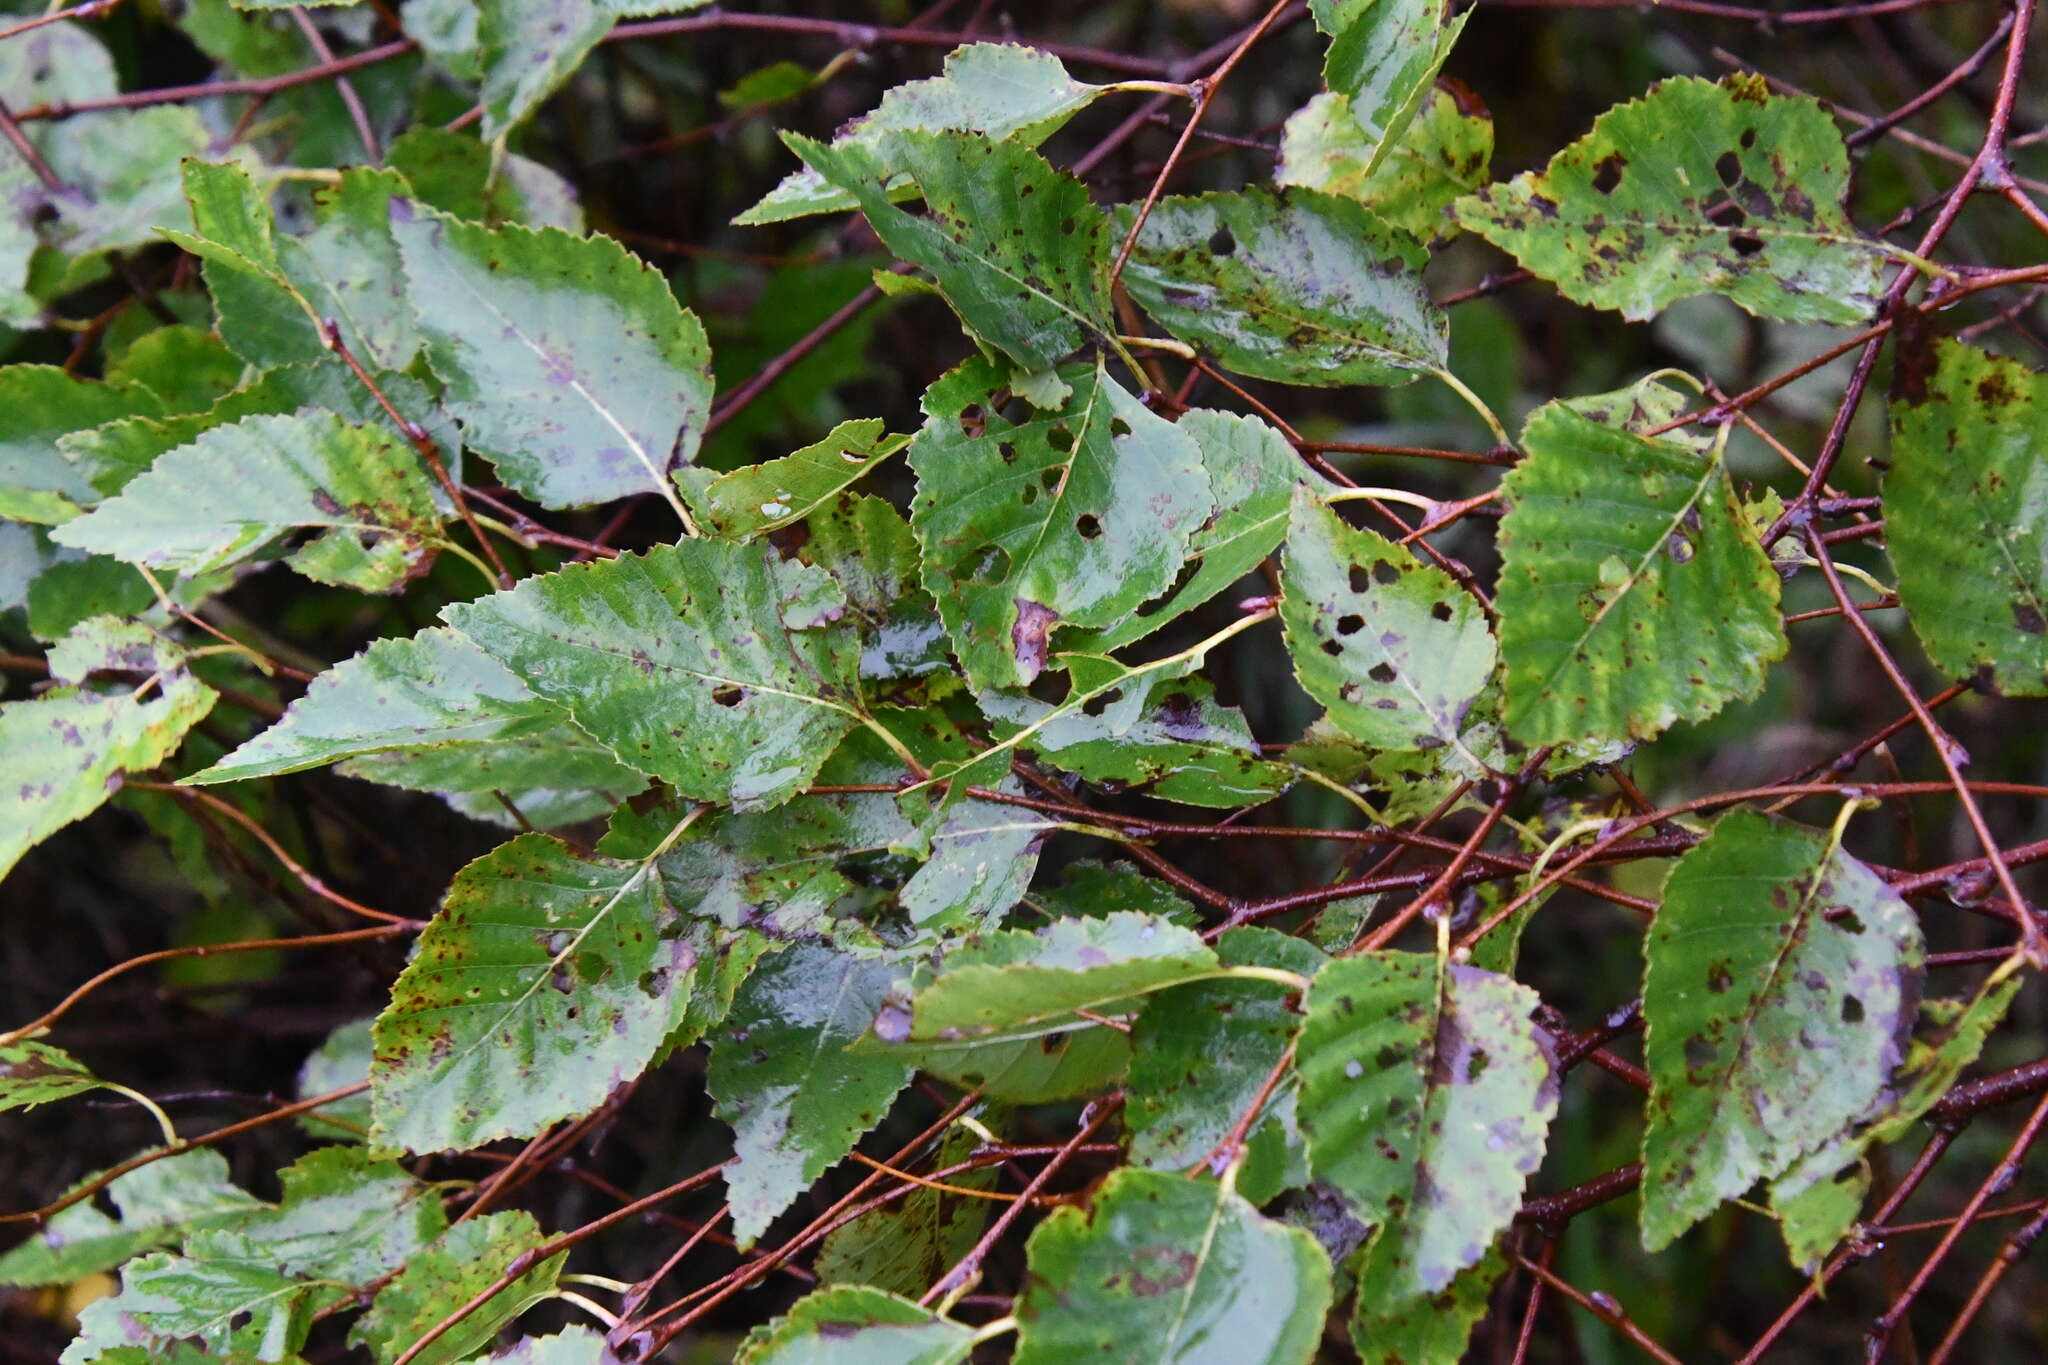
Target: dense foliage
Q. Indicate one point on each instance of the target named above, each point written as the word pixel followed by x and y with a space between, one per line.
pixel 922 685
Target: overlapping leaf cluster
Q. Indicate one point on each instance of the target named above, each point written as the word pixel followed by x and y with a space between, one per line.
pixel 782 778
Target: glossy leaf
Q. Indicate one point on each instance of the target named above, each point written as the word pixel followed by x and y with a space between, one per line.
pixel 1781 975
pixel 1075 517
pixel 1203 1053
pixel 570 1346
pixel 434 713
pixel 760 498
pixel 1394 648
pixel 218 1294
pixel 453 172
pixel 713 666
pixel 1187 1271
pixel 1252 472
pixel 570 363
pixel 33 1073
pixel 156 1204
pixel 527 48
pixel 275 289
pixel 856 1325
pixel 1696 188
pixel 1633 594
pixel 1445 153
pixel 869 549
pixel 38 405
pixel 1818 1199
pixel 229 495
pixel 434 689
pixel 1018 249
pixel 62 753
pixel 341 1060
pixel 468 1259
pixel 1383 57
pixel 780 1071
pixel 119 174
pixel 1052 1066
pixel 1964 514
pixel 1178 745
pixel 1295 286
pixel 1000 90
pixel 1426 1095
pixel 1433 1329
pixel 113 455
pixel 547 980
pixel 1017 985
pixel 254 1287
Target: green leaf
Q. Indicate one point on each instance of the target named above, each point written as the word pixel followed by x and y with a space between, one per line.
pixel 446 31
pixel 217 1294
pixel 547 980
pixel 22 200
pixel 1051 1066
pixel 33 1073
pixel 570 363
pixel 234 492
pixel 346 1218
pixel 157 1203
pixel 765 497
pixel 1202 1054
pixel 468 1259
pixel 1394 648
pixel 780 1071
pixel 119 169
pixel 39 404
pixel 1781 976
pixel 1295 286
pixel 528 48
pixel 1383 59
pixel 188 368
pixel 1075 517
pixel 61 755
pixel 1696 188
pixel 1632 593
pixel 570 1346
pixel 1426 1093
pixel 856 1325
pixel 1186 1271
pixel 272 291
pixel 1176 744
pixel 1000 90
pixel 452 172
pixel 435 713
pixel 1963 509
pixel 1815 1211
pixel 73 591
pixel 868 547
pixel 60 63
pixel 433 690
pixel 1253 472
pixel 780 871
pixel 113 455
pixel 341 1060
pixel 253 1287
pixel 707 664
pixel 1446 152
pixel 906 1245
pixel 1017 248
pixel 557 776
pixel 1432 1329
pixel 1014 984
